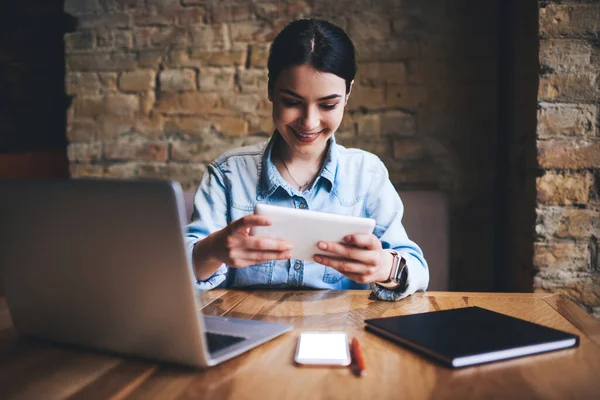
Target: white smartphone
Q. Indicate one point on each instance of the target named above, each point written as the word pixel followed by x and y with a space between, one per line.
pixel 323 348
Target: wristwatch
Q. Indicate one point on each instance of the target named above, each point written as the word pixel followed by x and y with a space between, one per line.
pixel 398 274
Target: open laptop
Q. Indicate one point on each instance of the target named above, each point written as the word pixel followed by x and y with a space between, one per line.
pixel 102 264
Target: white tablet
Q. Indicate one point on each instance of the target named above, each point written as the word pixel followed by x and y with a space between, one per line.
pixel 305 228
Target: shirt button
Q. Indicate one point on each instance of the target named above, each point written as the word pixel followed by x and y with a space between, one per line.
pixel 303 206
pixel 297 266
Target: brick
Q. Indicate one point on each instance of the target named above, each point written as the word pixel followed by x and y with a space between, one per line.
pixel 410 97
pixel 171 36
pixel 190 103
pixel 387 50
pixel 226 12
pixel 568 189
pixel 257 124
pixel 187 174
pixel 252 80
pixel 254 31
pixel 555 120
pixel 84 152
pixel 368 27
pixel 569 19
pixel 88 107
pixel 210 38
pixel 125 105
pixel 348 126
pixel 147 100
pixel 150 58
pixel 121 170
pixel 230 126
pixel 81 40
pixel 156 16
pixel 112 20
pixel 188 127
pixel 101 62
pixel 219 58
pixel 111 126
pixel 216 79
pixel 177 80
pixel 108 80
pixel 368 124
pixel 380 73
pixel 151 127
pixel 407 149
pixel 578 223
pixel 134 148
pixel 568 88
pixel 82 83
pixel 560 222
pixel 364 97
pixel 236 104
pixel 114 39
pixel 566 55
pixel 192 16
pixel 297 9
pixel 86 171
pixel 259 55
pixel 398 123
pixel 137 81
pixel 573 154
pixel 82 130
pixel 554 257
pixel 196 151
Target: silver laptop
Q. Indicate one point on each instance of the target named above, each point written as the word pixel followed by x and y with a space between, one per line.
pixel 102 264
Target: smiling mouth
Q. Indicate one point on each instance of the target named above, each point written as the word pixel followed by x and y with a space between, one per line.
pixel 307 135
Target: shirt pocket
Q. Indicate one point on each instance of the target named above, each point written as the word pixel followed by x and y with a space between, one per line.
pixel 254 275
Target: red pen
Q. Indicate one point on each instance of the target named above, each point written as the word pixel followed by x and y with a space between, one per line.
pixel 357 358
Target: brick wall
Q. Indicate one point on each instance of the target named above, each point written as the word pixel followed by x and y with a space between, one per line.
pixel 162 87
pixel 567 248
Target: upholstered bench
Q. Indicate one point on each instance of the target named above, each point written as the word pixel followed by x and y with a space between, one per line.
pixel 426 222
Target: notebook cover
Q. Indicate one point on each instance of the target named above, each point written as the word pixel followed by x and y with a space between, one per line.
pixel 470 335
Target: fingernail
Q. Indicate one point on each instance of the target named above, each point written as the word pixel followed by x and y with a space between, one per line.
pixel 288 246
pixel 322 245
pixel 347 238
pixel 318 259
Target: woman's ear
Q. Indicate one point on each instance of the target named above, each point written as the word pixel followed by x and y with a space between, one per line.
pixel 348 94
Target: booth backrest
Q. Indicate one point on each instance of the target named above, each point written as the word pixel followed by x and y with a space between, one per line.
pixel 426 222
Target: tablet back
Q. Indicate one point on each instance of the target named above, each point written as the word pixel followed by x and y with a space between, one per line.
pixel 305 228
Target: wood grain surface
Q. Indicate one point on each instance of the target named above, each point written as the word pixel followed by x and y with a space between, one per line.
pixel 31 369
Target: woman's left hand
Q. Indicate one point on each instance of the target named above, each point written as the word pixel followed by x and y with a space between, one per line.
pixel 360 258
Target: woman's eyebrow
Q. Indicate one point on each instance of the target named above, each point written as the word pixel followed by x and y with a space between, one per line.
pixel 294 94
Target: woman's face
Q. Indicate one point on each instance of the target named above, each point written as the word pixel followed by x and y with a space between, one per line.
pixel 308 106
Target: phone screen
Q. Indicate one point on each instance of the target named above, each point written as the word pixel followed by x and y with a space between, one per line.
pixel 327 348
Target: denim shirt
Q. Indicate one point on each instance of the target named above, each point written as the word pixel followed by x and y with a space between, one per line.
pixel 350 182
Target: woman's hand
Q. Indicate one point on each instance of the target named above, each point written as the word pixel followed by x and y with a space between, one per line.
pixel 234 246
pixel 360 258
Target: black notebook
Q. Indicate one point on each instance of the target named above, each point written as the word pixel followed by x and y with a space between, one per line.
pixel 470 335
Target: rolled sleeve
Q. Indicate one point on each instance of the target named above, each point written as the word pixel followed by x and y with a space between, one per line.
pixel 210 214
pixel 386 207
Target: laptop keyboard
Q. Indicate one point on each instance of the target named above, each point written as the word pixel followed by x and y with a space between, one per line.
pixel 218 341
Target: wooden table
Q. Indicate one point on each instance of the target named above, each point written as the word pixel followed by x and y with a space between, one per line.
pixel 32 369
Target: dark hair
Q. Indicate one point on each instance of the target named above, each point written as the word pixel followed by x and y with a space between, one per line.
pixel 318 43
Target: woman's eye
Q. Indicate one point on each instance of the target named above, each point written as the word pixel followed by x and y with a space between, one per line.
pixel 328 106
pixel 290 103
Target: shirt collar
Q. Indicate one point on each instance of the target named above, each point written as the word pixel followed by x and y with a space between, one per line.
pixel 270 179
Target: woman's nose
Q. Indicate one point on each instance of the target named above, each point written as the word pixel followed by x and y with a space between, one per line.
pixel 310 120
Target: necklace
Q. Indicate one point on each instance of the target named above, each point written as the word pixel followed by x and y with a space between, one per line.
pixel 292 176
pixel 300 187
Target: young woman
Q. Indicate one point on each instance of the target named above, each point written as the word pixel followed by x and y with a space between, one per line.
pixel 311 71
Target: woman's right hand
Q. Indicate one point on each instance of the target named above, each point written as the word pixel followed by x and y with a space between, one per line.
pixel 235 246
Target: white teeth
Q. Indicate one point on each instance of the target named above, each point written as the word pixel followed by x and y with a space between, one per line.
pixel 307 136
